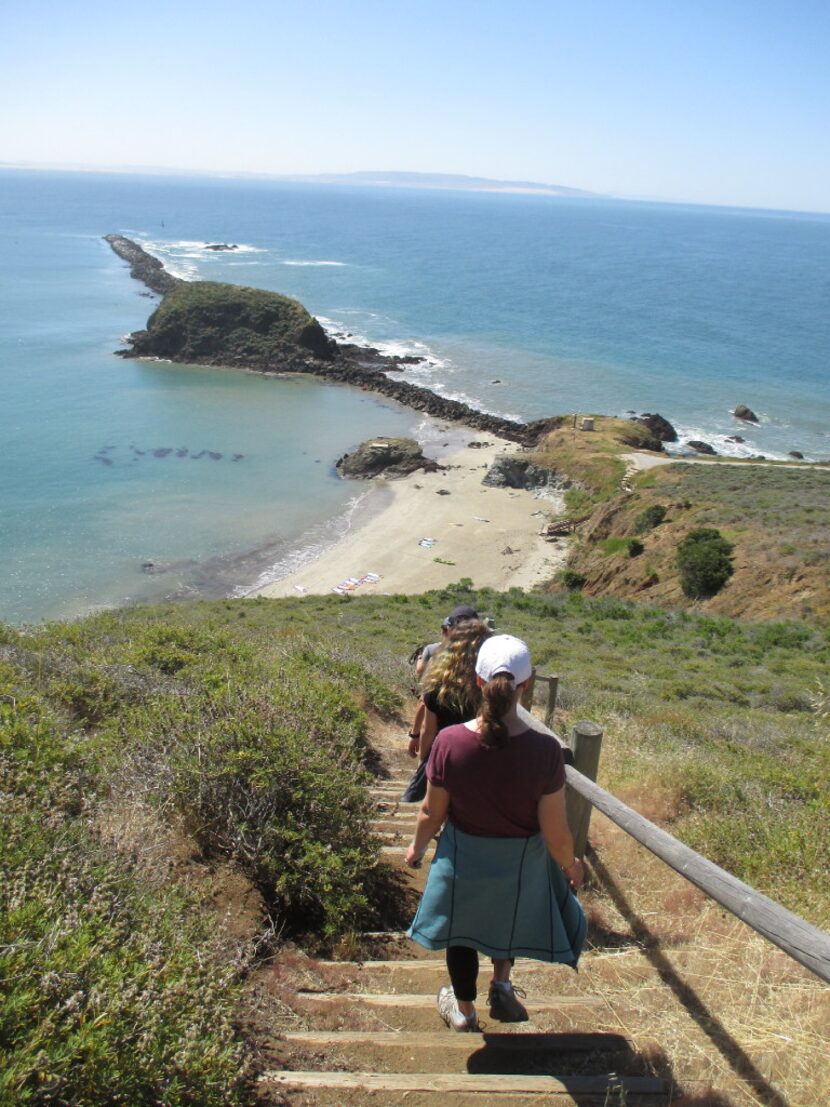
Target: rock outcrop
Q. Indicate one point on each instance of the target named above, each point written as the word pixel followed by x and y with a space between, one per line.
pixel 661 428
pixel 388 457
pixel 143 266
pixel 701 447
pixel 511 471
pixel 741 411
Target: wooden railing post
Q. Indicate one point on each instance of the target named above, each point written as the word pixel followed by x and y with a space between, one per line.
pixel 586 745
pixel 526 698
pixel 553 691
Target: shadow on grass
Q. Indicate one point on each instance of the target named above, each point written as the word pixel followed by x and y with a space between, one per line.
pixel 731 1050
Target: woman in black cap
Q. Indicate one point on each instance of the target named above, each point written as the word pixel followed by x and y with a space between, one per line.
pixel 450 692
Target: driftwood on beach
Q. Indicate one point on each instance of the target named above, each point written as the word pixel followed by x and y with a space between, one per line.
pixel 209 323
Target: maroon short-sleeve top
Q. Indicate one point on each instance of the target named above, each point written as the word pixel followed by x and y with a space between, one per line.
pixel 494 793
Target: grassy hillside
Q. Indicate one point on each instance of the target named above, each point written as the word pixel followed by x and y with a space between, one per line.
pixel 145 751
pixel 777 518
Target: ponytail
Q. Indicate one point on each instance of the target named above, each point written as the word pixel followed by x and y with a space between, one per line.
pixel 496 700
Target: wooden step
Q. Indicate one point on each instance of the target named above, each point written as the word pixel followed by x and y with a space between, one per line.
pixel 426 962
pixel 515 1040
pixel 584 1090
pixel 417 1000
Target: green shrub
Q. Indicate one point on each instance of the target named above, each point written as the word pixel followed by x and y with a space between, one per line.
pixel 652 517
pixel 614 545
pixel 705 562
pixel 269 773
pixel 111 993
pixel 632 547
pixel 111 989
pixel 572 580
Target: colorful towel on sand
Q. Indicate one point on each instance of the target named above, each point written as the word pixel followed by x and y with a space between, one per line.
pixel 505 897
pixel 350 583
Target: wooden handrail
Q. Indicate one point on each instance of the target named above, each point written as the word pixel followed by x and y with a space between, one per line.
pixel 799 939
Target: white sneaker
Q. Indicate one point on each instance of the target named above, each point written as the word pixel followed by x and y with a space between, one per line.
pixel 449 1012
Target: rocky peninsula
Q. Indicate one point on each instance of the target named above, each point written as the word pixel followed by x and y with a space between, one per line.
pixel 212 323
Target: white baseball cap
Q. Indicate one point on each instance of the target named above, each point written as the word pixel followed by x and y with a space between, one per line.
pixel 502 653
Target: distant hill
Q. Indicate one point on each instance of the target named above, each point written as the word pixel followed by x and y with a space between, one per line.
pixel 452 181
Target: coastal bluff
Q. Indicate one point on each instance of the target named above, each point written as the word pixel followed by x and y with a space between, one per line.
pixel 212 323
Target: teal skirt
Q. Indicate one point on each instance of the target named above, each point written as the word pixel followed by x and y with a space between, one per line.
pixel 505 897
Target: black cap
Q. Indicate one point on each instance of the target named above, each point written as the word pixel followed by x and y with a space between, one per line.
pixel 460 614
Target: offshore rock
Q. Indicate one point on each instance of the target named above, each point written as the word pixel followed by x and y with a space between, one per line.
pixel 741 411
pixel 390 457
pixel 701 447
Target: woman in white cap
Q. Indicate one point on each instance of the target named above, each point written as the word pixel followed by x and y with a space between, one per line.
pixel 502 877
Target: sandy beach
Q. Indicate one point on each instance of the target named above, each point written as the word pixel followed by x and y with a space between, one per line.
pixel 438 528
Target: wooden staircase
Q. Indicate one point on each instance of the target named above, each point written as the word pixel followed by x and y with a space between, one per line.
pixel 390 1046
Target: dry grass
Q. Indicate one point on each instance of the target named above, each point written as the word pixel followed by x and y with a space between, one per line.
pixel 730 1011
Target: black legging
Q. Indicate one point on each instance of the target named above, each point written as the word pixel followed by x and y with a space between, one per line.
pixel 462 965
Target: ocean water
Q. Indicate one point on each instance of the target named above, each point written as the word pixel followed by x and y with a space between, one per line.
pixel 127 480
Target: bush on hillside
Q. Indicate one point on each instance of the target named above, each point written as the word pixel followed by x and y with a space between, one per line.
pixel 704 559
pixel 650 518
pixel 632 547
pixel 572 580
pixel 269 773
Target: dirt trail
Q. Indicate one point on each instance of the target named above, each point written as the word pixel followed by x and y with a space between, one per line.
pixel 674 1003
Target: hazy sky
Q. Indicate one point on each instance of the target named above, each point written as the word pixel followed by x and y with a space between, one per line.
pixel 714 101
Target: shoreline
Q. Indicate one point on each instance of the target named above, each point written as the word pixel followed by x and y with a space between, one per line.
pixel 490 535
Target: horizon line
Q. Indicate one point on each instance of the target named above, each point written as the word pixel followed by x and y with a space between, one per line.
pixel 511 187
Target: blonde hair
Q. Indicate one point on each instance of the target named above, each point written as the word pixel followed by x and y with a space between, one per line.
pixel 452 671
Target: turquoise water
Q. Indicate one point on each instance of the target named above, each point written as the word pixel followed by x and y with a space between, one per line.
pixel 570 305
